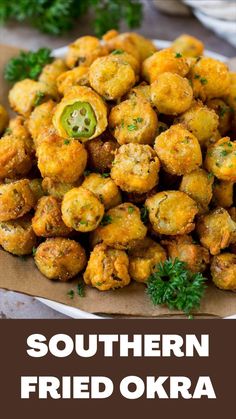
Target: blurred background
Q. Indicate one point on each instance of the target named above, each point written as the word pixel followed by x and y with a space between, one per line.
pixel 33 23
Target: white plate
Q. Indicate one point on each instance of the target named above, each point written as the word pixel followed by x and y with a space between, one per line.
pixel 73 312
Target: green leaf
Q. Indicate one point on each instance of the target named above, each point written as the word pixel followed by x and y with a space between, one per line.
pixel 80 289
pixel 106 220
pixel 174 285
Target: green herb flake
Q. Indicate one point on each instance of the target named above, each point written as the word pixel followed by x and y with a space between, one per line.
pixel 210 175
pixel 178 55
pixel 8 131
pixel 118 52
pixel 197 76
pixel 132 127
pixel 80 289
pixel 38 98
pixel 144 214
pixel 106 220
pixel 224 153
pixel 105 175
pixel 87 173
pixel 130 210
pixel 222 111
pixel 71 294
pixel 34 250
pixel 203 80
pixel 66 142
pixel 83 222
pixel 138 119
pixel 98 284
pixel 174 285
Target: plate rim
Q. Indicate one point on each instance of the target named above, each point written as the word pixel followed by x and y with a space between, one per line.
pixel 75 312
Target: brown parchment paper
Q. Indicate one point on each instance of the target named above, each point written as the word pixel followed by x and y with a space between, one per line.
pixel 17 274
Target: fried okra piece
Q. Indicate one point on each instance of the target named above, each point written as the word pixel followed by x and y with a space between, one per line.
pixel 112 76
pixel 40 120
pixel 101 153
pixel 121 227
pixel 143 258
pixel 16 156
pixel 216 230
pixel 210 78
pixel 36 188
pixel 221 159
pixel 60 259
pixel 17 236
pixel 223 271
pixel 135 168
pixel 224 113
pixel 200 121
pixel 107 268
pixel 60 159
pixel 81 114
pixel 25 95
pixel 16 199
pixel 56 188
pixel 133 121
pixel 223 193
pixel 82 210
pixel 171 94
pixel 78 76
pixel 178 150
pixel 84 51
pixel 185 249
pixel 49 76
pixel 104 188
pixel 164 61
pixel 3 119
pixel 171 212
pixel 131 42
pixel 198 185
pixel 143 91
pixel 188 46
pixel 47 220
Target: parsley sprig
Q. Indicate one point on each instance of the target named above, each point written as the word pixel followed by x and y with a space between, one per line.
pixel 27 65
pixel 174 285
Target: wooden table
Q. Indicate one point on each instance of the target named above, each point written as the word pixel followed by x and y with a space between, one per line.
pixel 155 25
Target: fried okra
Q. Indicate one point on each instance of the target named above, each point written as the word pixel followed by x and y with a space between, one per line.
pixel 60 159
pixel 104 188
pixel 16 199
pixel 171 212
pixel 133 121
pixel 188 46
pixel 17 236
pixel 143 258
pixel 16 156
pixel 131 42
pixel 216 230
pixel 171 94
pixel 56 188
pixel 49 77
pixel 135 168
pixel 200 121
pixel 101 153
pixel 3 119
pixel 178 150
pixel 224 113
pixel 198 185
pixel 223 271
pixel 185 249
pixel 210 78
pixel 60 259
pixel 84 51
pixel 121 226
pixel 47 220
pixel 40 120
pixel 164 61
pixel 142 90
pixel 78 76
pixel 82 210
pixel 112 77
pixel 221 159
pixel 223 193
pixel 81 114
pixel 25 95
pixel 107 268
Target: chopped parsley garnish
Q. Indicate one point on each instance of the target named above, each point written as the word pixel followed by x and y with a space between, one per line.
pixel 132 127
pixel 34 250
pixel 197 76
pixel 130 210
pixel 174 285
pixel 80 289
pixel 99 284
pixel 66 142
pixel 139 119
pixel 178 55
pixel 144 214
pixel 203 80
pixel 210 175
pixel 105 175
pixel 106 220
pixel 71 294
pixel 117 52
